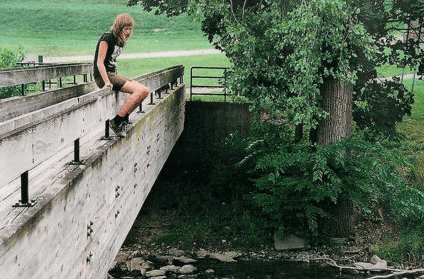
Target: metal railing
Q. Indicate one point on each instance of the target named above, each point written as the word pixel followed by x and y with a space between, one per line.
pixel 207 89
pixel 31 72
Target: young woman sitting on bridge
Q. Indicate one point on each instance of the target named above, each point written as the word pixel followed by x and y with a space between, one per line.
pixel 108 48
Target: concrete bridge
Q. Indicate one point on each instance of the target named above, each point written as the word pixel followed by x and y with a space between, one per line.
pixel 69 190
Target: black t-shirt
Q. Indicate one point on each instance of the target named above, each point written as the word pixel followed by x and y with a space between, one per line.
pixel 113 51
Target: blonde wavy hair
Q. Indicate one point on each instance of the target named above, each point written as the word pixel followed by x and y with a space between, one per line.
pixel 121 21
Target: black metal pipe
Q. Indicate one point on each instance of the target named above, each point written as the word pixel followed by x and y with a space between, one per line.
pixel 151 99
pixel 24 188
pixel 107 129
pixel 77 151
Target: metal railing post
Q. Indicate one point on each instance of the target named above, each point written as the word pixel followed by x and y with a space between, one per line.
pixel 140 107
pixel 25 201
pixel 77 160
pixel 106 136
pixel 24 188
pixel 77 151
pixel 151 99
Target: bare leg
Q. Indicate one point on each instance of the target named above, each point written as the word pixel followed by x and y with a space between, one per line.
pixel 138 92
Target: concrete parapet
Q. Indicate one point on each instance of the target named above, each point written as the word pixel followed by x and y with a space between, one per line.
pixel 16 106
pixel 15 76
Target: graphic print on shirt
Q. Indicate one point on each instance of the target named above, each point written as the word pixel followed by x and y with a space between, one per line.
pixel 116 52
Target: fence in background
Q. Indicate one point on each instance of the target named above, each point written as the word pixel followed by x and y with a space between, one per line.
pixel 220 79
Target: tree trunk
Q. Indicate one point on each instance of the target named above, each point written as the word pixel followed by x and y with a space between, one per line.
pixel 298 133
pixel 337 101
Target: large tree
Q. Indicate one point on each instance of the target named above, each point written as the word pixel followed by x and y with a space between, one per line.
pixel 248 28
pixel 314 63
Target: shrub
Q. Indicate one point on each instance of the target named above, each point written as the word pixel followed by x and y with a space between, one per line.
pixel 8 59
pixel 295 185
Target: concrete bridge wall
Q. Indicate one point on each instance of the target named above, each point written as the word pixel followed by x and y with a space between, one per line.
pixel 83 212
pixel 14 107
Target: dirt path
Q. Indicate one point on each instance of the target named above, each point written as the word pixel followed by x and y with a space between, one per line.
pixel 135 55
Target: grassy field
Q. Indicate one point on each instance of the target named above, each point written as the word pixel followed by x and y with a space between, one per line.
pixel 411 127
pixel 72 27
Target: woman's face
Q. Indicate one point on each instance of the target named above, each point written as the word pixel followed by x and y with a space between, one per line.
pixel 126 33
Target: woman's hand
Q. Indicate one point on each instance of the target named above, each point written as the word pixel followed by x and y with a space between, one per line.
pixel 109 85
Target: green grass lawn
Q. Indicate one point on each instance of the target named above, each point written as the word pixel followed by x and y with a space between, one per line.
pixel 412 128
pixel 72 27
pixel 389 71
pixel 412 125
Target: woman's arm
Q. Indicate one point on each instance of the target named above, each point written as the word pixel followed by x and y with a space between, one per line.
pixel 100 63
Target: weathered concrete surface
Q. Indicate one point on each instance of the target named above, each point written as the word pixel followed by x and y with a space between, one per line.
pixel 28 140
pixel 17 106
pixel 9 77
pixel 84 212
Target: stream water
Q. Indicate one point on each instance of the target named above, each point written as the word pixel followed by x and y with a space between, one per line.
pixel 257 269
pixel 274 270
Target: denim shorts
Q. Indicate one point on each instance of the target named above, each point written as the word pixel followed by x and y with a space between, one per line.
pixel 117 81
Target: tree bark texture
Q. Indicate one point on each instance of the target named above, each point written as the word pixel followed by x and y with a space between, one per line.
pixel 337 101
pixel 342 221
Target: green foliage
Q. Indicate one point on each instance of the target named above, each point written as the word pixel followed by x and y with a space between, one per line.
pixel 284 50
pixel 383 105
pixel 294 184
pixel 8 59
pixel 226 225
pixel 295 188
pixel 290 188
pixel 407 249
pixel 171 8
pixel 283 53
